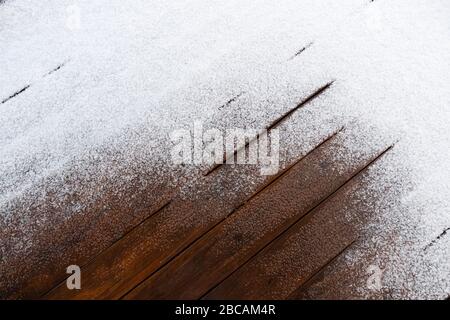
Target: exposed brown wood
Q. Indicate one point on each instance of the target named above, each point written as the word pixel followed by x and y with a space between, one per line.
pixel 299 292
pixel 237 239
pixel 78 240
pixel 295 256
pixel 159 239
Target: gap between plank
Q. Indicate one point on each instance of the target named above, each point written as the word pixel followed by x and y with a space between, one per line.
pixel 110 246
pixel 307 214
pixel 276 122
pixel 274 180
pixel 29 85
pixel 310 279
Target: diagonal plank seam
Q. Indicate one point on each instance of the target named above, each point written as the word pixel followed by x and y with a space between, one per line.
pixel 275 123
pixel 164 206
pixel 320 270
pixel 271 182
pixel 29 85
pixel 305 216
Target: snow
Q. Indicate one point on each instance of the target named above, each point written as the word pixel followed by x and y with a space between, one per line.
pixel 134 71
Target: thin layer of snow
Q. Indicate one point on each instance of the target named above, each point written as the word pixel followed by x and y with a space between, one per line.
pixel 134 71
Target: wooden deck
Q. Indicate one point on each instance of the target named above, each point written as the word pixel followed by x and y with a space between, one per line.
pixel 306 233
pixel 267 243
pixel 226 258
pixel 275 239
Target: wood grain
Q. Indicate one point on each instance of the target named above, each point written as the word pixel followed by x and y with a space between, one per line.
pixel 266 216
pixel 297 255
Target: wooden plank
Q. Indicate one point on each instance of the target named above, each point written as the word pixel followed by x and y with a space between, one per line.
pixel 270 213
pixel 297 255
